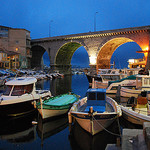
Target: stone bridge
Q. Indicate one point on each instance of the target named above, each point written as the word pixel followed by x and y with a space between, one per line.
pixel 99 45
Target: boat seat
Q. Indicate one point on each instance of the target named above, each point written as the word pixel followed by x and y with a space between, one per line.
pixel 99 109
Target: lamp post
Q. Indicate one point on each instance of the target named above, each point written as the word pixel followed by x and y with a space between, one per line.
pixel 95 21
pixel 50 28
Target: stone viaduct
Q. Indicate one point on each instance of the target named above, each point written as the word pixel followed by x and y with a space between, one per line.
pixel 99 45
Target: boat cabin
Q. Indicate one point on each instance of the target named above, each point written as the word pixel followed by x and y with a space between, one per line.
pixel 20 86
pixel 143 82
pixel 97 99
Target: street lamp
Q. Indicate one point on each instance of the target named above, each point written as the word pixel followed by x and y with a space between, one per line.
pixel 95 21
pixel 50 28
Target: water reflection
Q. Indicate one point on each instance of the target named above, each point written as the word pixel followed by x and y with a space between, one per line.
pixel 82 140
pixel 18 130
pixel 56 86
pixel 50 127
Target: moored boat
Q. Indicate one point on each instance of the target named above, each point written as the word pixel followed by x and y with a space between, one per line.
pixel 56 106
pixel 137 110
pixel 142 84
pixel 95 112
pixel 112 86
pixel 20 97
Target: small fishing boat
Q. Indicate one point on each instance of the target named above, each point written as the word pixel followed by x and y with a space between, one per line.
pixel 20 97
pixel 112 86
pixel 142 84
pixel 95 112
pixel 103 76
pixel 137 110
pixel 55 106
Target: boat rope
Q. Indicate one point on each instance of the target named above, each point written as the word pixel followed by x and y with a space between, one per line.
pixel 105 128
pixel 119 126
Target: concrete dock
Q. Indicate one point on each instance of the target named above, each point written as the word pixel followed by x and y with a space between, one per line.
pixel 133 139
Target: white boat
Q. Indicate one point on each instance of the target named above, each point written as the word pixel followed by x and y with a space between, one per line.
pixel 142 84
pixel 136 111
pixel 112 87
pixel 55 106
pixel 20 97
pixel 105 75
pixel 95 112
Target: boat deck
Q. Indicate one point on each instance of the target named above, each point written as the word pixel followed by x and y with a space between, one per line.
pixel 99 109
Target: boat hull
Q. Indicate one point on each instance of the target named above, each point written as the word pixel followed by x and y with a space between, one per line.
pixel 17 109
pixel 19 106
pixel 135 117
pixel 95 124
pixel 126 92
pixel 47 113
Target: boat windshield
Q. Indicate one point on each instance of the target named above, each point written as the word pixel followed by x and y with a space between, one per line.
pixel 8 89
pixel 92 96
pixel 22 89
pixel 96 96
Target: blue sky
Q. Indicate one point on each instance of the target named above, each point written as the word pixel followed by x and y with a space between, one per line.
pixel 63 17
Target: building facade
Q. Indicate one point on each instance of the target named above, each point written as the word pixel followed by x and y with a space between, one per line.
pixel 15 48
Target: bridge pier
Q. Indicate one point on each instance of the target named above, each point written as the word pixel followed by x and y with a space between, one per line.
pixel 65 69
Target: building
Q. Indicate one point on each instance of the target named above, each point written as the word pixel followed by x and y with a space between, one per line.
pixel 15 48
pixel 137 63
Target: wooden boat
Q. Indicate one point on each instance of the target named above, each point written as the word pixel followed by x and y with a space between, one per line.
pixel 112 86
pixel 20 97
pixel 95 112
pixel 142 84
pixel 56 106
pixel 137 110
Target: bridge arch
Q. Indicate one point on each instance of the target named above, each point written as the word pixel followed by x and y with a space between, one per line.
pixel 64 55
pixel 37 53
pixel 107 50
pixel 66 52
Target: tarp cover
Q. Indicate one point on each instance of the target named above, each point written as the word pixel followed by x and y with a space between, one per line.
pixel 59 102
pixel 132 77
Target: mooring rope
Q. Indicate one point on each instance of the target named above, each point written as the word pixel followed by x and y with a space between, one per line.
pixel 105 128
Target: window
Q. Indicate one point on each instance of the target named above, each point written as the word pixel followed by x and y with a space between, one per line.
pixel 8 89
pixel 101 96
pixel 3 32
pixel 92 96
pixel 23 89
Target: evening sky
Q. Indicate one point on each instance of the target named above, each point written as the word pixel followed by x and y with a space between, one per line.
pixel 63 17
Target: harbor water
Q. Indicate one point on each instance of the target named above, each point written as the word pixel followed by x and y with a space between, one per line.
pixel 55 133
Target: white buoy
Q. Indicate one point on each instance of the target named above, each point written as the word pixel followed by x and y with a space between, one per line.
pixel 34 122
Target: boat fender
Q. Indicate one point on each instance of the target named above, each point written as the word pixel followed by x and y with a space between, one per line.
pixel 34 122
pixel 91 110
pixel 69 118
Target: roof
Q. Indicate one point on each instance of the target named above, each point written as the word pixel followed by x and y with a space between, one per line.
pixel 22 81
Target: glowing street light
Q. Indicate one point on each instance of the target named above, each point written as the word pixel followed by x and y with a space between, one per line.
pixel 92 60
